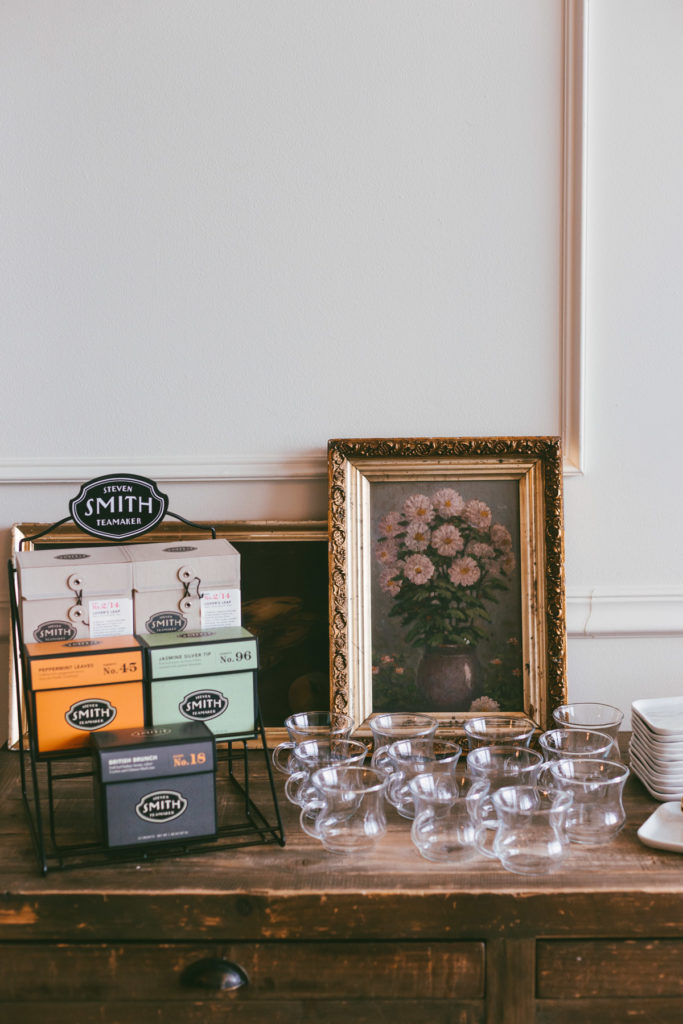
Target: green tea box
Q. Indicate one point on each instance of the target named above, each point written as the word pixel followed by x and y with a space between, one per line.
pixel 187 585
pixel 155 785
pixel 74 593
pixel 207 676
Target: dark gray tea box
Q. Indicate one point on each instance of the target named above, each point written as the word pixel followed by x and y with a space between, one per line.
pixel 155 784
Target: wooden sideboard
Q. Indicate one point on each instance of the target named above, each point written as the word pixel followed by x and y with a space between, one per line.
pixel 323 938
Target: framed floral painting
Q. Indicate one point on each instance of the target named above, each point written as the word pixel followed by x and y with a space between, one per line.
pixel 446 577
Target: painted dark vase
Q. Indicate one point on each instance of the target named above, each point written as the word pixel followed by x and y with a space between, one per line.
pixel 449 677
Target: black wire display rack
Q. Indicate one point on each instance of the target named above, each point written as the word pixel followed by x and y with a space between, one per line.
pixel 58 788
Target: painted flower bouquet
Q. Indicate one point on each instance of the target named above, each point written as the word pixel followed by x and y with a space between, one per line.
pixel 444 562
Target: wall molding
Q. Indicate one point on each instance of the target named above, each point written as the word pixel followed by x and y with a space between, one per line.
pixel 310 465
pixel 625 612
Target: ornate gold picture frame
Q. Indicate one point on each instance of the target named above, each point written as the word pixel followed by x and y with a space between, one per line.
pixel 453 544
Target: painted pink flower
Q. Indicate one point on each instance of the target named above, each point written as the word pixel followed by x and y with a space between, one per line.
pixel 390 579
pixel 419 569
pixel 389 524
pixel 492 567
pixel 448 502
pixel 418 508
pixel 464 572
pixel 478 514
pixel 448 540
pixel 508 564
pixel 417 537
pixel 386 552
pixel 480 550
pixel 500 536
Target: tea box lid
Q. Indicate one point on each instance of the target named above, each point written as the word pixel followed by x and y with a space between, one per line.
pixel 84 647
pixel 179 748
pixel 195 637
pixel 60 664
pixel 55 572
pixel 200 652
pixel 202 563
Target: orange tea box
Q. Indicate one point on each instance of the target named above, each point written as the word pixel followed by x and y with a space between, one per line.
pixel 78 687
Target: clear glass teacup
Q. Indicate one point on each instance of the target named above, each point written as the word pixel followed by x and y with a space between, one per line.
pixel 597 812
pixel 499 730
pixel 348 815
pixel 309 755
pixel 501 766
pixel 558 743
pixel 531 833
pixel 309 725
pixel 412 757
pixel 388 727
pixel 444 825
pixel 593 717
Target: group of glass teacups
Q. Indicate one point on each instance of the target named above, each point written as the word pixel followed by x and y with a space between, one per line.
pixel 508 800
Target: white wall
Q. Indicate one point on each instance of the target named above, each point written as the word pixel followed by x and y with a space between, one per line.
pixel 622 532
pixel 232 230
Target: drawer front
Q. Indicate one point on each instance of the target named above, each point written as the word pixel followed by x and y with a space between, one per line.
pixel 339 971
pixel 603 969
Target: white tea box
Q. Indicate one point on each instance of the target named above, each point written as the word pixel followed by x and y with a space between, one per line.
pixel 187 585
pixel 70 593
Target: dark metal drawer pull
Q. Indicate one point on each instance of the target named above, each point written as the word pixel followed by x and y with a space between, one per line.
pixel 214 974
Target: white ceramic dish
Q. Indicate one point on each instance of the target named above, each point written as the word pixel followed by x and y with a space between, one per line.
pixel 659 779
pixel 673 740
pixel 664 828
pixel 657 791
pixel 664 715
pixel 662 797
pixel 662 751
pixel 672 767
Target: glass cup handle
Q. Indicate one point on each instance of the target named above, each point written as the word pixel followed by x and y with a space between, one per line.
pixel 481 833
pixel 308 819
pixel 380 759
pixel 482 811
pixel 391 791
pixel 294 785
pixel 277 756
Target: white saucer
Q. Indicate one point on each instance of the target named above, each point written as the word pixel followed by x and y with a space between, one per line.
pixel 662 751
pixel 664 783
pixel 658 792
pixel 664 828
pixel 666 769
pixel 664 715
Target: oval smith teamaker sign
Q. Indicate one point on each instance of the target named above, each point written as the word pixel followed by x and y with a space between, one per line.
pixel 118 507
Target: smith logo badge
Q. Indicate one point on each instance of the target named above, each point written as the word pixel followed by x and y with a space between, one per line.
pixel 166 622
pixel 163 805
pixel 118 507
pixel 90 715
pixel 202 705
pixel 54 630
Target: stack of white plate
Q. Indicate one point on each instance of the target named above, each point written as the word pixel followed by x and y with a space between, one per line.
pixel 656 747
